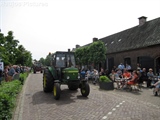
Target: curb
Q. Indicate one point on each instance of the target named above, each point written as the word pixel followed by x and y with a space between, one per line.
pixel 20 102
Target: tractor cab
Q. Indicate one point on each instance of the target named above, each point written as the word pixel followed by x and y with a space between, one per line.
pixel 61 61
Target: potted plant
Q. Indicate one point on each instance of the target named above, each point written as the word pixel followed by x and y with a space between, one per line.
pixel 105 83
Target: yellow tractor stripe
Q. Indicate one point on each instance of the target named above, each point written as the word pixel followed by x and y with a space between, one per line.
pixel 70 71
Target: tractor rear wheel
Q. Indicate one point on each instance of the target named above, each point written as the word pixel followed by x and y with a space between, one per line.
pixel 85 89
pixel 47 81
pixel 56 90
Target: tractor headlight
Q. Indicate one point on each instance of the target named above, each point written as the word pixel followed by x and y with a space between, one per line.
pixel 68 77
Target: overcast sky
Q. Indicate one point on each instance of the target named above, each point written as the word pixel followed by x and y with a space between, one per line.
pixel 44 26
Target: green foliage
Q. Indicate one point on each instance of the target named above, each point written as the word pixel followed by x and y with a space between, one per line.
pixel 94 53
pixel 8 93
pixel 78 55
pixel 23 77
pixel 104 79
pixel 48 60
pixel 42 60
pixel 12 52
pixel 97 52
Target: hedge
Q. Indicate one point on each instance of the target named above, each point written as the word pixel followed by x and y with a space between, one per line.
pixel 8 95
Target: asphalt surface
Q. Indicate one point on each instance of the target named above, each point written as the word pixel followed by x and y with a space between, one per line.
pixel 34 104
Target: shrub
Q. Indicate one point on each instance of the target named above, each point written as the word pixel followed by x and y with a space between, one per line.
pixel 23 76
pixel 8 93
pixel 104 79
pixel 8 96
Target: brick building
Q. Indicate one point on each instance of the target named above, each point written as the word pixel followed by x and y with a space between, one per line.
pixel 139 44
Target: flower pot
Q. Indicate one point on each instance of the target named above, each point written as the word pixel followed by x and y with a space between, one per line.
pixel 106 85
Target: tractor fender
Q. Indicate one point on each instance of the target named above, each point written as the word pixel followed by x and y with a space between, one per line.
pixel 53 72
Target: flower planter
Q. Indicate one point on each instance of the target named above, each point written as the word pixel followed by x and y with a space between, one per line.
pixel 106 85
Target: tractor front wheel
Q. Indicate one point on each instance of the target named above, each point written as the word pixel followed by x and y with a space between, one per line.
pixel 85 89
pixel 56 90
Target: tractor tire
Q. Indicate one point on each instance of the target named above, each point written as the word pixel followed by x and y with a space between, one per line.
pixel 73 87
pixel 85 89
pixel 47 81
pixel 56 91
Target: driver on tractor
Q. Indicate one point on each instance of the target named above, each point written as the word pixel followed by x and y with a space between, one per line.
pixel 60 62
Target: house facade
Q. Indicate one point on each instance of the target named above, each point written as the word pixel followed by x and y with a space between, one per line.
pixel 139 44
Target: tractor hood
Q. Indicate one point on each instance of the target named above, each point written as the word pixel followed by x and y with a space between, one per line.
pixel 70 73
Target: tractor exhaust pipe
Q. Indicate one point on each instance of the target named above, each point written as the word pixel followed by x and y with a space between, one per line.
pixel 69 58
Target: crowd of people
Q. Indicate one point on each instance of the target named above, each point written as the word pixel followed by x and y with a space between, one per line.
pixel 9 72
pixel 124 75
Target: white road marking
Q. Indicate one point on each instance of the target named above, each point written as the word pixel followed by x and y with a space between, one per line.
pixel 105 117
pixel 114 109
pixel 117 106
pixel 109 113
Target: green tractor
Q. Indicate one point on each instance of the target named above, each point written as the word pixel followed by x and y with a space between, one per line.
pixel 63 71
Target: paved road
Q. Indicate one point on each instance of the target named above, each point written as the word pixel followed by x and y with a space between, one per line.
pixel 34 104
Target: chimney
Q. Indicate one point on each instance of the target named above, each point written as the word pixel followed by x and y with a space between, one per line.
pixel 142 20
pixel 95 39
pixel 77 46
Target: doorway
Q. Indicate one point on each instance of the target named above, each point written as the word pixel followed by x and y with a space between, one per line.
pixel 158 66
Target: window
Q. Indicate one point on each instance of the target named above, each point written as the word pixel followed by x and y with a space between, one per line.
pixel 60 60
pixel 127 61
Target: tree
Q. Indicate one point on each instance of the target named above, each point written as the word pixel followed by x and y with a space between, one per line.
pixel 12 53
pixel 95 53
pixel 48 60
pixel 42 60
pixel 11 47
pixel 2 49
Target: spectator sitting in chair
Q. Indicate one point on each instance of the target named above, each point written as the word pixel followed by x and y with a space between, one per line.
pixel 83 74
pixel 126 74
pixel 143 76
pixel 87 74
pixel 96 76
pixel 113 75
pixel 101 72
pixel 134 78
pixel 156 86
pixel 150 76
